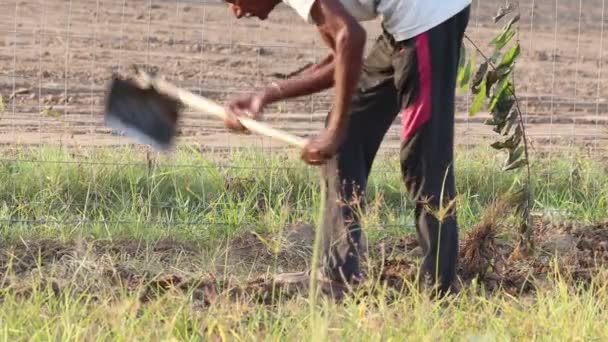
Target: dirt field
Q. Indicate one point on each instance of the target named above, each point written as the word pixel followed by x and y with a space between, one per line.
pixel 149 270
pixel 58 55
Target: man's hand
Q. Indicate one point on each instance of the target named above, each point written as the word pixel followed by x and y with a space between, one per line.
pixel 321 148
pixel 251 105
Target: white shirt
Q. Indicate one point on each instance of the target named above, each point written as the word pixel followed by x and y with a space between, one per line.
pixel 404 19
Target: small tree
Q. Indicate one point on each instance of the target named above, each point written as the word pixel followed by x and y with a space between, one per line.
pixel 493 88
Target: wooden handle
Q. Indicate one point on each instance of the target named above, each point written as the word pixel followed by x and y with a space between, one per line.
pixel 210 107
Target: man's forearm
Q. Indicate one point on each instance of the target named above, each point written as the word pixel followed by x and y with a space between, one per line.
pixel 317 78
pixel 329 59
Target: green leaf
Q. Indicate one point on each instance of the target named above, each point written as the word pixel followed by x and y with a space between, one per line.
pixel 514 156
pixel 498 145
pixel 511 143
pixel 503 70
pixel 479 77
pixel 511 118
pixel 503 107
pixel 503 92
pixel 491 78
pixel 519 195
pixel 514 20
pixel 500 116
pixel 506 35
pixel 502 40
pixel 508 26
pixel 502 11
pixel 465 74
pixel 479 99
pixel 502 99
pixel 495 56
pixel 515 165
pixel 509 58
pixel 463 56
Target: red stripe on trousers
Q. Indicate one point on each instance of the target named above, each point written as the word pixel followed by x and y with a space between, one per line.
pixel 419 112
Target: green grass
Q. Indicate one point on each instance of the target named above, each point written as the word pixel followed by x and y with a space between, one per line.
pixel 556 315
pixel 119 193
pixel 111 193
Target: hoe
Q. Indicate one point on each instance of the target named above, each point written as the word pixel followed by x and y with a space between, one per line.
pixel 147 109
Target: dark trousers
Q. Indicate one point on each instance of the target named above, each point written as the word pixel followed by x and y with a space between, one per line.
pixel 416 78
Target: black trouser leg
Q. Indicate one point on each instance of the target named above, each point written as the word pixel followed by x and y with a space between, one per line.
pixel 418 75
pixel 372 111
pixel 427 148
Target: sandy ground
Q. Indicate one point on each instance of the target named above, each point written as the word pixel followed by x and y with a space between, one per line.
pixel 61 55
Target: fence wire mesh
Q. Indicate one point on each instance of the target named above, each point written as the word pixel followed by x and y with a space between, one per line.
pixel 56 57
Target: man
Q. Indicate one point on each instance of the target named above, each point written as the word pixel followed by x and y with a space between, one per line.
pixel 411 69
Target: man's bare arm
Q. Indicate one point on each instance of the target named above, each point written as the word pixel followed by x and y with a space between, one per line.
pixel 329 59
pixel 314 66
pixel 341 68
pixel 346 38
pixel 316 78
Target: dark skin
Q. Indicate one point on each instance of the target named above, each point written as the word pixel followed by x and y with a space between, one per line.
pixel 340 69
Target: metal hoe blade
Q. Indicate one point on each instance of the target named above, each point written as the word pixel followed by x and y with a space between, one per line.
pixel 142 113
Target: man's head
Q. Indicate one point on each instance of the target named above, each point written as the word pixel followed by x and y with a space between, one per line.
pixel 252 8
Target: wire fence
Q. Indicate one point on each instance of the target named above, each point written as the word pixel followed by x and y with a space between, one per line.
pixel 56 57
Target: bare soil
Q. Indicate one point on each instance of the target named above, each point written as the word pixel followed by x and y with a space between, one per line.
pixel 578 254
pixel 57 57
